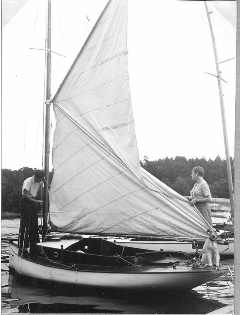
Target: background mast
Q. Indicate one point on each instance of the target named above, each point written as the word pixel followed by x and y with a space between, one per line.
pixel 229 172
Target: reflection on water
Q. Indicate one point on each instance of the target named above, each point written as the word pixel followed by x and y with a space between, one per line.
pixel 29 296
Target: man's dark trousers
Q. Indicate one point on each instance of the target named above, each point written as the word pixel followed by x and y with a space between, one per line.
pixel 28 224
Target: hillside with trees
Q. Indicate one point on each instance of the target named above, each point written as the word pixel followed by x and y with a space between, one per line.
pixel 174 172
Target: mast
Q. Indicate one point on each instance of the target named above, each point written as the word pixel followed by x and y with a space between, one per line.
pixel 229 172
pixel 47 119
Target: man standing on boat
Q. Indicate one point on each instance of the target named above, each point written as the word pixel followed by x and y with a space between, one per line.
pixel 29 211
pixel 200 194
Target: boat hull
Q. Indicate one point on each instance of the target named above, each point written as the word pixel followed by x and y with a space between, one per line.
pixel 131 277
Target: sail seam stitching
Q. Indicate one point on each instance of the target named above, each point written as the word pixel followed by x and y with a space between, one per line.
pixel 96 87
pixel 92 189
pixel 107 149
pixel 79 172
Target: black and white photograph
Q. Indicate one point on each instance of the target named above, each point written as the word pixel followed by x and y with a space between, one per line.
pixel 120 154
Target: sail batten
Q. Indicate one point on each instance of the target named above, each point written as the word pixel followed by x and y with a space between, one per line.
pixel 98 185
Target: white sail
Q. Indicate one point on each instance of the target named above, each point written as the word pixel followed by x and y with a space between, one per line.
pixel 99 186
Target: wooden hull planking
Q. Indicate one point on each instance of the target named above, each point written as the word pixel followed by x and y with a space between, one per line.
pixel 132 277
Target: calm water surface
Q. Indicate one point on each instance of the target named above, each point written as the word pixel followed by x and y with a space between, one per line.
pixel 21 296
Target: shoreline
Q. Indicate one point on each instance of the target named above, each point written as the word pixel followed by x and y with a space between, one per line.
pixel 10 215
pixel 13 215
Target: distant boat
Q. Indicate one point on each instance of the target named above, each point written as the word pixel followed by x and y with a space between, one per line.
pixel 221 208
pixel 99 188
pixel 225 247
pixel 221 217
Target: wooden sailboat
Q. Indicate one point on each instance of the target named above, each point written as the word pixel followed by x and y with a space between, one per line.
pixel 98 263
pixel 99 189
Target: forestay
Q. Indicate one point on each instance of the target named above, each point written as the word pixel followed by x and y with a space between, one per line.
pixel 99 186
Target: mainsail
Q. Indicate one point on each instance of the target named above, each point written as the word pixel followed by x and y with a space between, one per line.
pixel 98 185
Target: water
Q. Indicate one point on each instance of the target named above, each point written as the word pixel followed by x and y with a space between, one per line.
pixel 28 296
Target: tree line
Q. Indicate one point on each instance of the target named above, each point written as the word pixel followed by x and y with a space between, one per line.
pixel 174 172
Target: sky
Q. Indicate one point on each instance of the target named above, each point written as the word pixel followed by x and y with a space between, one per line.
pixel 171 69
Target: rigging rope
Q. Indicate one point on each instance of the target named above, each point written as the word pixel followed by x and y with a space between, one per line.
pixel 218 268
